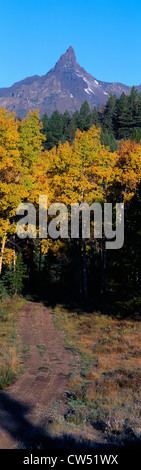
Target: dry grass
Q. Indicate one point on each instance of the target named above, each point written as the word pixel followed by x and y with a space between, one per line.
pixel 9 361
pixel 105 386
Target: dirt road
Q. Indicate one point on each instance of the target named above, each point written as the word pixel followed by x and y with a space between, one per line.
pixel 26 403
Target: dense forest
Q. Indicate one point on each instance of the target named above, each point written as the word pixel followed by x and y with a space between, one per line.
pixel 119 119
pixel 91 156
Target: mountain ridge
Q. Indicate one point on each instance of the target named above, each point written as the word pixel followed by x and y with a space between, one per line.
pixel 66 86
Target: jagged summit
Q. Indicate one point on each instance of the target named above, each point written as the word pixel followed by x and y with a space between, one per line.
pixel 68 59
pixel 69 55
pixel 66 86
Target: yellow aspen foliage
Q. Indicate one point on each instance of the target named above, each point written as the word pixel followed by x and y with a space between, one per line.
pixel 8 257
pixel 10 192
pixel 82 171
pixel 129 168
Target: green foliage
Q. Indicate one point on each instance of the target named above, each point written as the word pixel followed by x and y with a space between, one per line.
pixel 3 290
pixel 52 129
pixel 13 279
pixel 108 140
pixel 95 117
pixel 109 113
pixel 119 119
pixel 42 349
pixel 84 117
pixel 7 376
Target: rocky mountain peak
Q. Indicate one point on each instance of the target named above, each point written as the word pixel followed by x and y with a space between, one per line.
pixel 67 60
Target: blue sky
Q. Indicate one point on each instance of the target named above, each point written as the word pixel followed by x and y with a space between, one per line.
pixel 104 34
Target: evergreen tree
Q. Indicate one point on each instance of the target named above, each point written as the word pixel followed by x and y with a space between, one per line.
pixel 13 278
pixel 108 140
pixel 54 130
pixel 84 117
pixel 109 114
pixel 71 129
pixel 94 118
pixel 66 118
